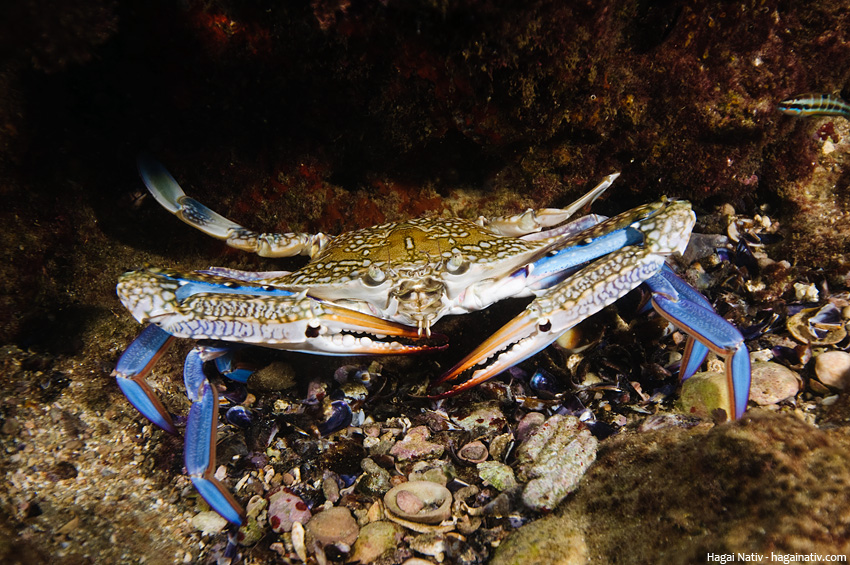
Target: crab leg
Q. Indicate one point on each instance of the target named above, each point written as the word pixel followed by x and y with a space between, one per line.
pixel 710 331
pixel 199 449
pixel 532 221
pixel 132 368
pixel 168 193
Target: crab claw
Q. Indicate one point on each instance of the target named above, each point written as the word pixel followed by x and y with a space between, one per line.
pixel 200 306
pixel 517 340
pixel 341 323
pixel 553 314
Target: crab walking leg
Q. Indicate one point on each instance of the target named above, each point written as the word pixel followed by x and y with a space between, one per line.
pixel 532 221
pixel 199 449
pixel 170 196
pixel 695 351
pixel 710 330
pixel 132 368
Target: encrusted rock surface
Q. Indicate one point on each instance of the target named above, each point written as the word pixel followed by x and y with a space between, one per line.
pixel 767 483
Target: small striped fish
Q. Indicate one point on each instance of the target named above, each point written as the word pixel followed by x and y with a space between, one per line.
pixel 815 105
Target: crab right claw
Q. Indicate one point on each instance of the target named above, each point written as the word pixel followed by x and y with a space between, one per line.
pixel 622 253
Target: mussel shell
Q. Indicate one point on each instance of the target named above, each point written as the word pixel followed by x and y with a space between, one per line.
pixel 340 418
pixel 239 416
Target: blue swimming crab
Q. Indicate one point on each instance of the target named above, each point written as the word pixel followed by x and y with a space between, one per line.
pixel 379 290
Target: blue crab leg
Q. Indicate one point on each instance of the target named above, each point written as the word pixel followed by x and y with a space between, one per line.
pixel 710 330
pixel 695 351
pixel 170 196
pixel 199 450
pixel 132 368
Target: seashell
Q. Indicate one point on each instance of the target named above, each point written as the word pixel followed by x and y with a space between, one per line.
pixel 339 418
pixel 473 452
pixel 234 391
pixel 422 502
pixel 545 383
pixel 817 326
pixel 239 416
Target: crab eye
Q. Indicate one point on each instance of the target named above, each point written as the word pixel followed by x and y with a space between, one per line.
pixel 374 276
pixel 457 265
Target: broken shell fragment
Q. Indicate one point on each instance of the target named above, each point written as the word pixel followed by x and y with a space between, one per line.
pixel 817 326
pixel 419 501
pixel 473 452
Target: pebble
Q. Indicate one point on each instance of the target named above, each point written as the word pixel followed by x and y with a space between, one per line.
pixel 528 425
pixel 832 368
pixel 376 539
pixel 772 383
pixel 336 524
pixel 483 418
pixel 375 480
pixel 208 522
pixel 704 393
pixel 435 470
pixel 500 446
pixel 499 475
pixel 415 445
pixel 330 488
pixel 285 508
pixel 553 459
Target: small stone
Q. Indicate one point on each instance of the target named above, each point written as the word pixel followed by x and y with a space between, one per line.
pixel 336 524
pixel 256 505
pixel 529 423
pixel 376 539
pixel 434 545
pixel 277 375
pixel 251 532
pixel 704 393
pixel 330 488
pixel 500 446
pixel 285 508
pixel 209 522
pixel 375 480
pixel 408 502
pixel 415 445
pixel 483 418
pixel 832 368
pixel 772 383
pixel 499 475
pixel 435 470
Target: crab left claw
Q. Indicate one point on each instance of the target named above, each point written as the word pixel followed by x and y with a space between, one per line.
pixel 601 282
